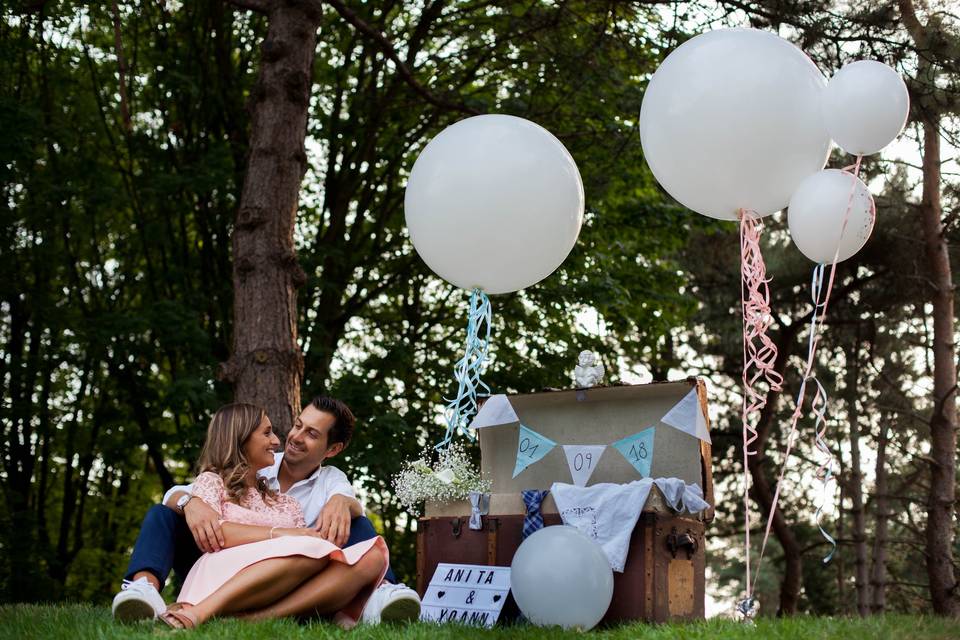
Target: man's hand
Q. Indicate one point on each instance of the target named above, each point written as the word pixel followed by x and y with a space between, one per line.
pixel 204 524
pixel 333 524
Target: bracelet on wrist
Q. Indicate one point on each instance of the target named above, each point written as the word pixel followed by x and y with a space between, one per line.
pixel 183 502
pixel 271 532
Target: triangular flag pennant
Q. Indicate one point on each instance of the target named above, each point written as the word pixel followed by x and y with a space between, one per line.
pixel 638 450
pixel 495 411
pixel 531 447
pixel 687 416
pixel 582 460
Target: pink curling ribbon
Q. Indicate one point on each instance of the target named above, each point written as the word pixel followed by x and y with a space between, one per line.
pixel 819 402
pixel 759 354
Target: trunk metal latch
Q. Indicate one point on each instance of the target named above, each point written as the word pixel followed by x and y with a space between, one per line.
pixel 686 541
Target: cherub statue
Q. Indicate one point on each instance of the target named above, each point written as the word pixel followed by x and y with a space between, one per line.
pixel 589 370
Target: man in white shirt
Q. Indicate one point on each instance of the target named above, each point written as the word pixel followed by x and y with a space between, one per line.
pixel 175 533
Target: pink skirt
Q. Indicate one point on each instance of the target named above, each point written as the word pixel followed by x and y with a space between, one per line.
pixel 213 570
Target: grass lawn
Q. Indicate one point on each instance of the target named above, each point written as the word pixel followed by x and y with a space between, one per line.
pixel 73 622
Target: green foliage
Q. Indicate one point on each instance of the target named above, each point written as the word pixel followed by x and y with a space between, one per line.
pixel 116 286
pixel 116 305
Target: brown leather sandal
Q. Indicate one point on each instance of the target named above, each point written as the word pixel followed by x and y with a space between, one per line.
pixel 180 618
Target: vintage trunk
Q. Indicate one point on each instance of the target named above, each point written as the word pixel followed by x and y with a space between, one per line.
pixel 662 580
pixel 664 575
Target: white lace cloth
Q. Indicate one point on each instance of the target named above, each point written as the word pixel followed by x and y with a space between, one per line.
pixel 608 512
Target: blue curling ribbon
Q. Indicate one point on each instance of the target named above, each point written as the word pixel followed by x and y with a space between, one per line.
pixel 819 408
pixel 819 404
pixel 468 370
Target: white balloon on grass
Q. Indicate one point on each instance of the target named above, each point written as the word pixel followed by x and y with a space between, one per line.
pixel 559 576
pixel 731 120
pixel 816 214
pixel 494 202
pixel 865 106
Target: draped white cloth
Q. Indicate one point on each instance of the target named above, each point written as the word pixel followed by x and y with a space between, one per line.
pixel 608 512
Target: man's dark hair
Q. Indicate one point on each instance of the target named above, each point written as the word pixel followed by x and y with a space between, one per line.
pixel 342 429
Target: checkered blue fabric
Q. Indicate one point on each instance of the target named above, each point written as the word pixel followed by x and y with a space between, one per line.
pixel 533 521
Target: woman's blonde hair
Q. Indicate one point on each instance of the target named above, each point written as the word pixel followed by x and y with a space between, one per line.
pixel 222 452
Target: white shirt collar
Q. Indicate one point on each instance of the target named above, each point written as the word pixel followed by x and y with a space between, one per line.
pixel 272 473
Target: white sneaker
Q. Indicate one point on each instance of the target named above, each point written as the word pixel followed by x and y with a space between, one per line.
pixel 391 603
pixel 137 600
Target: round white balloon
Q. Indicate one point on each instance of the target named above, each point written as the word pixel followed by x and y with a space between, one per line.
pixel 816 213
pixel 561 577
pixel 494 202
pixel 865 106
pixel 731 120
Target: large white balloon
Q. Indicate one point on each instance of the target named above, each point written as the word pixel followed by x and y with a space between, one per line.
pixel 816 213
pixel 731 120
pixel 561 577
pixel 494 202
pixel 865 106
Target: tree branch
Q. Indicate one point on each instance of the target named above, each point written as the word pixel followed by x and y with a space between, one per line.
pixel 912 23
pixel 122 68
pixel 33 7
pixel 391 53
pixel 260 6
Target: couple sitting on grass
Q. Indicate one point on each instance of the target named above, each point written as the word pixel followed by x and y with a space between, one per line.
pixel 280 533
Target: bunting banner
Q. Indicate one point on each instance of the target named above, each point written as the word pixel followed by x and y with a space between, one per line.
pixel 582 460
pixel 638 450
pixel 496 411
pixel 688 417
pixel 531 447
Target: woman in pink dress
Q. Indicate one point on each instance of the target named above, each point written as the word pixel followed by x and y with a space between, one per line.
pixel 272 565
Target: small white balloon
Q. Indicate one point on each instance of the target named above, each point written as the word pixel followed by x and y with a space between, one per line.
pixel 731 120
pixel 865 107
pixel 561 577
pixel 816 214
pixel 494 202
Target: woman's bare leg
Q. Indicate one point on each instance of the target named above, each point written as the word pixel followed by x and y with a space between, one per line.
pixel 327 592
pixel 258 585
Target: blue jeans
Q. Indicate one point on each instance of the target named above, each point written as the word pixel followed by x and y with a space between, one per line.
pixel 362 529
pixel 165 543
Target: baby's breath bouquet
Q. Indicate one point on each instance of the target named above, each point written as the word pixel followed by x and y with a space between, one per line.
pixel 453 477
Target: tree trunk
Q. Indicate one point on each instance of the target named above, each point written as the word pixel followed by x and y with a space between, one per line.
pixel 855 482
pixel 839 560
pixel 878 571
pixel 792 570
pixel 943 422
pixel 266 365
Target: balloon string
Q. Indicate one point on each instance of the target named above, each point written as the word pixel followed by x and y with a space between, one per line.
pixel 759 351
pixel 819 402
pixel 468 369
